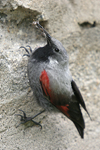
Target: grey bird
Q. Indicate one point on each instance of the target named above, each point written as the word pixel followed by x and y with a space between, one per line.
pixel 52 83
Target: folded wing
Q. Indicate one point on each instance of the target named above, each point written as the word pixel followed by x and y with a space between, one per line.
pixel 68 106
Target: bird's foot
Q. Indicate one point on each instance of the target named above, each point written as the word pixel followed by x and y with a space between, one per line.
pixel 25 119
pixel 28 50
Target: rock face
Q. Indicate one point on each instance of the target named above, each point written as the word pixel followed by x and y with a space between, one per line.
pixel 76 24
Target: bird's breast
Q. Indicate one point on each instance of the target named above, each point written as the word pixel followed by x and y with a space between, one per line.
pixel 59 82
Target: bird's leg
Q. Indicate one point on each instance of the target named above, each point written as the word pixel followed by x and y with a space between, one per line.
pixel 25 119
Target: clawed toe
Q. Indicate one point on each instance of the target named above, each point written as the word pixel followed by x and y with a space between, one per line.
pixel 25 119
pixel 27 50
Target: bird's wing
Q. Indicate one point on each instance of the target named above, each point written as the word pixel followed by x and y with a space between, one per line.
pixel 57 99
pixel 78 96
pixel 68 107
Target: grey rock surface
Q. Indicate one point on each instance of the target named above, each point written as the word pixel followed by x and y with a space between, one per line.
pixel 71 22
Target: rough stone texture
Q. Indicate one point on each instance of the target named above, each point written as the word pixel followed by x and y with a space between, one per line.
pixel 69 21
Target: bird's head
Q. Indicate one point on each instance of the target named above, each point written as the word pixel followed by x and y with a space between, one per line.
pixel 53 50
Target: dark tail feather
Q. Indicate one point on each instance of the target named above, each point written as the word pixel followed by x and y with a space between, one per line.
pixel 80 129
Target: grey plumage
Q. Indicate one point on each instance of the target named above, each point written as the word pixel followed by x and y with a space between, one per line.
pixel 52 83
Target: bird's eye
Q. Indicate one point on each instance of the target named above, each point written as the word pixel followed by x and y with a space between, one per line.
pixel 56 50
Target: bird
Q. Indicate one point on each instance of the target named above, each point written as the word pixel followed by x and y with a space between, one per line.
pixel 52 83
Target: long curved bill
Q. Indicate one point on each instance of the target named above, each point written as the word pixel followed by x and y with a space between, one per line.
pixel 43 30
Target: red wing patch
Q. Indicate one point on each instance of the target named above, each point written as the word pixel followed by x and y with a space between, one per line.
pixel 64 109
pixel 44 80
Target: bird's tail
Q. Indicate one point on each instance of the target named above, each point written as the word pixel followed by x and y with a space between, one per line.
pixel 80 129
